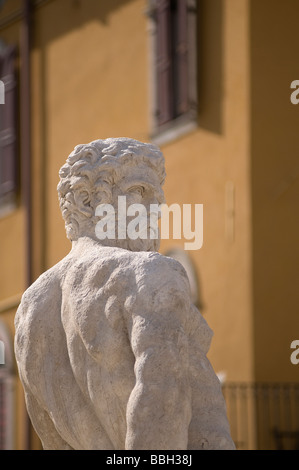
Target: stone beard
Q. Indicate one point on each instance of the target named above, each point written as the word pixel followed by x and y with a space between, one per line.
pixel 111 351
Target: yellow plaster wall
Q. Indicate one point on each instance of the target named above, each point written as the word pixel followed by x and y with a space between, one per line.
pixel 90 83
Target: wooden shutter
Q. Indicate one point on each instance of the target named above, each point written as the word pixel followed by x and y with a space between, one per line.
pixel 181 57
pixel 8 134
pixel 175 60
pixel 164 62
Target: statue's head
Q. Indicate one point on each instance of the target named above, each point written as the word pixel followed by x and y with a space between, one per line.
pixel 101 171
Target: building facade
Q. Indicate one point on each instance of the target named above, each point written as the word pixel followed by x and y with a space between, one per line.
pixel 209 82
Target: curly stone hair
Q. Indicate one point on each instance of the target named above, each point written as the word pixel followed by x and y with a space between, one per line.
pixel 91 170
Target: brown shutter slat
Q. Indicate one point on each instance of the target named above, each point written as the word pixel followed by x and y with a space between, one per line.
pixel 164 62
pixel 8 170
pixel 181 58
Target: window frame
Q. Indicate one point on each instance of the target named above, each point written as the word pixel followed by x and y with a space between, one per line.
pixel 188 120
pixel 9 159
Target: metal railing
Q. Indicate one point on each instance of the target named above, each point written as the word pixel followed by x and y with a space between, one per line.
pixel 2 415
pixel 263 416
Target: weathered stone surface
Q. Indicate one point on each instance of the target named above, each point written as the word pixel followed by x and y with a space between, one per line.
pixel 110 349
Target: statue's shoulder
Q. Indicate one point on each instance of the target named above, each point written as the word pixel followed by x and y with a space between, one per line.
pixel 153 266
pixel 158 291
pixel 150 272
pixel 45 288
pixel 161 269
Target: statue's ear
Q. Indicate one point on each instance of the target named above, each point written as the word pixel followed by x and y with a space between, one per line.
pixel 83 202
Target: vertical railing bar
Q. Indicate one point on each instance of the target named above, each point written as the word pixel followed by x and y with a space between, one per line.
pixel 245 413
pixel 2 423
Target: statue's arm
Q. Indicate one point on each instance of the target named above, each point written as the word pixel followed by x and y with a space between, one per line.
pixel 209 427
pixel 159 408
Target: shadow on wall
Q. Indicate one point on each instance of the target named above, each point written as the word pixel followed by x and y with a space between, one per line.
pixel 275 186
pixel 210 64
pixel 67 16
pixel 79 14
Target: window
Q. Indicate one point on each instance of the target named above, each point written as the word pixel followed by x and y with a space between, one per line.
pixel 173 47
pixel 6 390
pixel 8 129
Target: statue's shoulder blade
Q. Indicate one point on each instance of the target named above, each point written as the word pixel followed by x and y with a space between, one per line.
pixel 44 290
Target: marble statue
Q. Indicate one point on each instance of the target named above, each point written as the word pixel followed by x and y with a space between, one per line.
pixel 111 351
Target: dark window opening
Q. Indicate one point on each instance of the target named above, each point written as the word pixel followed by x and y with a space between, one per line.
pixel 8 126
pixel 175 54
